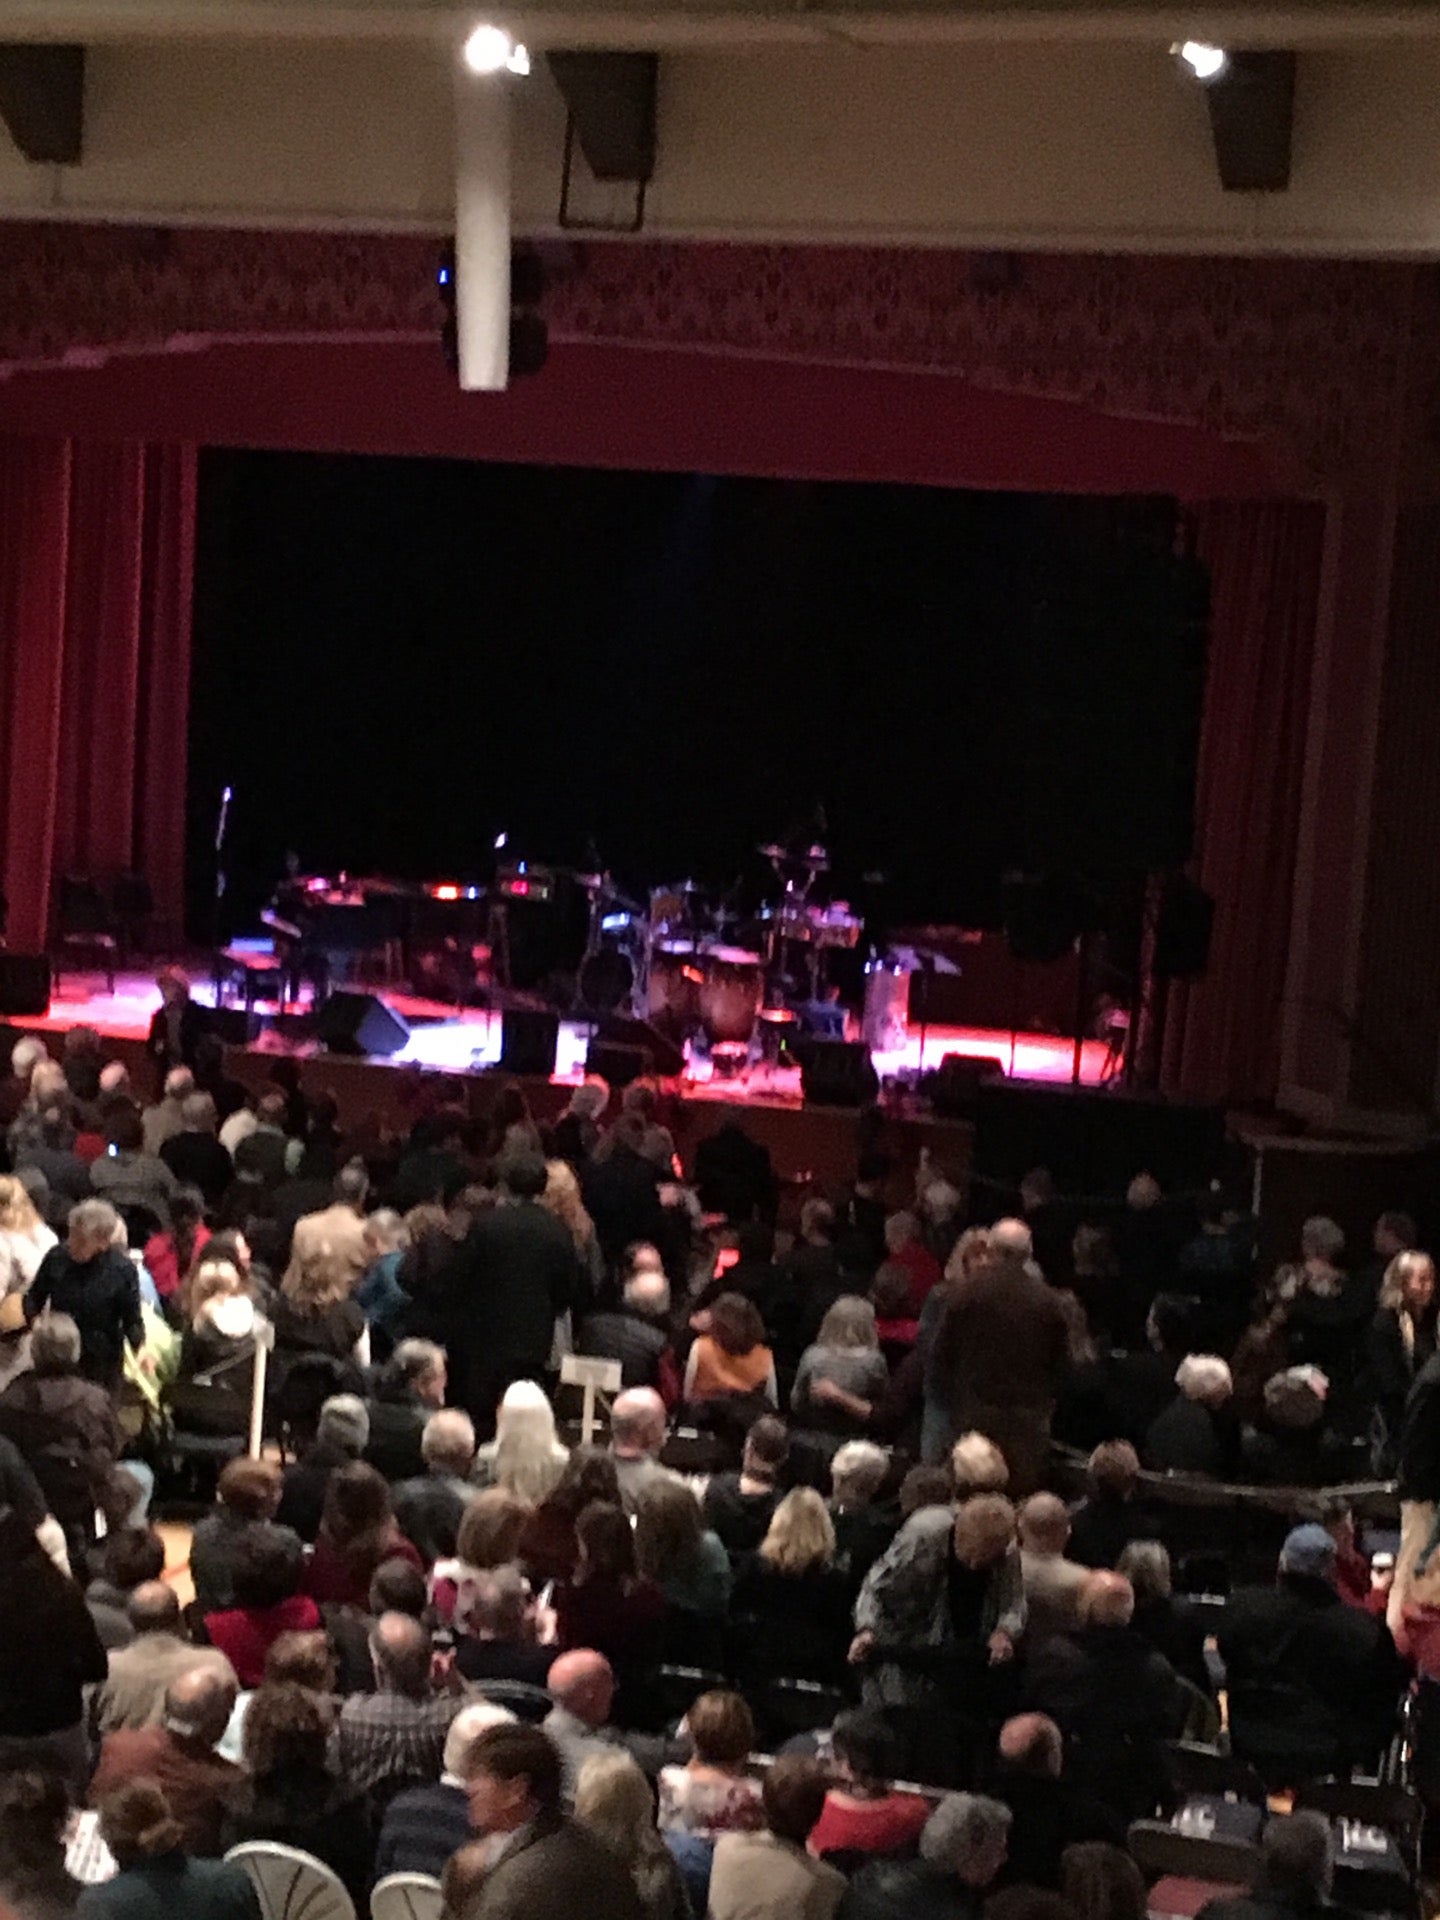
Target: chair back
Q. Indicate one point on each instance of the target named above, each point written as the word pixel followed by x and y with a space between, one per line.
pixel 80 907
pixel 405 1896
pixel 785 1708
pixel 526 1702
pixel 291 1885
pixel 1160 1850
pixel 1204 1770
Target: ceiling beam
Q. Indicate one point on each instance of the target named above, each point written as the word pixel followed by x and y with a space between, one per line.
pixel 1252 114
pixel 42 100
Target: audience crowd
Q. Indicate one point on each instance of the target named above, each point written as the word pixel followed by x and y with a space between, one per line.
pixel 873 1594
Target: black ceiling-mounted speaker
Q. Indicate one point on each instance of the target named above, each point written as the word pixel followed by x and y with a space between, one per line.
pixel 838 1073
pixel 359 1023
pixel 1183 929
pixel 25 983
pixel 529 1038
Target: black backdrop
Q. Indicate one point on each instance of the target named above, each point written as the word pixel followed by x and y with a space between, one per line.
pixel 396 659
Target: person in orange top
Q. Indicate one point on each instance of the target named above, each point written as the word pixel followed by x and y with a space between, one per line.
pixel 729 1356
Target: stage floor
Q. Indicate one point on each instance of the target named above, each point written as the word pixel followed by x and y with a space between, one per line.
pixel 469 1041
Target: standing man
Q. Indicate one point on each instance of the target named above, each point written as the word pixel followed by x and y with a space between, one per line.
pixel 178 1025
pixel 1001 1354
pixel 513 1277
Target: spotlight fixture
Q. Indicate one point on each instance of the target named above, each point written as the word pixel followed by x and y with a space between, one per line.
pixel 490 49
pixel 1202 60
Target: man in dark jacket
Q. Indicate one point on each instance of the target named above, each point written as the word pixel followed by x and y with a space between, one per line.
pixel 1313 1684
pixel 637 1334
pixel 1049 1812
pixel 65 1427
pixel 549 1868
pixel 1113 1697
pixel 515 1274
pixel 89 1278
pixel 1000 1357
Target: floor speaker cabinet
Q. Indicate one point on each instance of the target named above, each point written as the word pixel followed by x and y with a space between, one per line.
pixel 359 1023
pixel 24 983
pixel 663 1057
pixel 837 1073
pixel 617 1064
pixel 234 1027
pixel 529 1038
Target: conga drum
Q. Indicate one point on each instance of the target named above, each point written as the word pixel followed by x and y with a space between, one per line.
pixel 730 995
pixel 672 998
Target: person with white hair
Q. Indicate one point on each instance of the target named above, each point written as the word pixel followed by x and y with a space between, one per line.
pixel 25 1055
pixel 525 1459
pixel 423 1826
pixel 576 1134
pixel 342 1434
pixel 863 1528
pixel 1001 1355
pixel 166 1118
pixel 1198 1431
pixel 963 1847
pixel 66 1427
pixel 637 1333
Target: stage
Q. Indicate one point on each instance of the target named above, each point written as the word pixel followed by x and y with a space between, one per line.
pixel 446 1040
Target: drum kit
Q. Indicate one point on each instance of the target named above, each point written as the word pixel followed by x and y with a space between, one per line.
pixel 693 966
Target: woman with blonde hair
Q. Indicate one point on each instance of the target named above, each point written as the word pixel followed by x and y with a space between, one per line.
pixel 24 1242
pixel 612 1799
pixel 847 1355
pixel 317 1311
pixel 562 1198
pixel 792 1602
pixel 1401 1339
pixel 525 1459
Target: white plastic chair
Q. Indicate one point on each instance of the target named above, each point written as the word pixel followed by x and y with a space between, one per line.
pixel 405 1896
pixel 291 1885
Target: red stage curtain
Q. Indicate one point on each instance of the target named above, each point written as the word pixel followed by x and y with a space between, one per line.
pixel 1222 1033
pixel 96 555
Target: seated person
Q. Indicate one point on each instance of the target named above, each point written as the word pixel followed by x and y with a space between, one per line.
pixel 1173 1625
pixel 675 1550
pixel 712 1793
pixel 496 1630
pixel 1291 1445
pixel 637 1334
pixel 248 1497
pixel 606 1605
pixel 769 1875
pixel 429 1509
pixel 863 1811
pixel 863 1529
pixel 265 1588
pixel 212 1391
pixel 1312 1683
pixel 1104 1523
pixel 408 1389
pixel 739 1506
pixel 729 1359
pixel 790 1611
pixel 1197 1433
pixel 846 1354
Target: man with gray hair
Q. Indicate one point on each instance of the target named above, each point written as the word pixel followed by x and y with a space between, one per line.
pixel 1196 1433
pixel 179 1754
pixel 429 1507
pixel 340 1226
pixel 424 1825
pixel 166 1118
pixel 342 1436
pixel 408 1389
pixel 1297 1867
pixel 15 1089
pixel 1001 1354
pixel 637 1334
pixel 395 1735
pixel 141 1674
pixel 495 1617
pixel 637 1433
pixel 962 1849
pixel 93 1281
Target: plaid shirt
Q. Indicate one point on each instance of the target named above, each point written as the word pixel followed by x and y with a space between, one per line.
pixel 391 1739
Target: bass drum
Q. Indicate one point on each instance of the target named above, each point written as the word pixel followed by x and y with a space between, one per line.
pixel 731 994
pixel 672 997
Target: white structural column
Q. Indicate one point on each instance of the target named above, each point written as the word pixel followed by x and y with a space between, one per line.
pixel 482 230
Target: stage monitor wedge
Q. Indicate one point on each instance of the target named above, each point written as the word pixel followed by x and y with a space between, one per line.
pixel 360 1023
